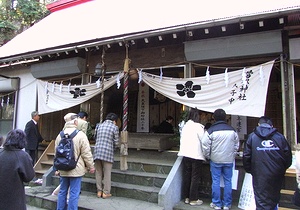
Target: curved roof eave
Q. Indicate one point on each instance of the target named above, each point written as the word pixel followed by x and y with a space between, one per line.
pixel 91 41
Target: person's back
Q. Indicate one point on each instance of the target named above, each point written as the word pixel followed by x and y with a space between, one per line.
pixel 266 157
pixel 166 126
pixel 220 144
pixel 190 146
pixel 106 140
pixel 15 169
pixel 72 178
pixel 224 143
pixel 190 150
pixel 269 145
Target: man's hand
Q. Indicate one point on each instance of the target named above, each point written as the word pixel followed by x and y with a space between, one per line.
pixel 92 170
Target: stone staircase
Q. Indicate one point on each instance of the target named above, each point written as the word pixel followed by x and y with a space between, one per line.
pixel 147 172
pixel 139 186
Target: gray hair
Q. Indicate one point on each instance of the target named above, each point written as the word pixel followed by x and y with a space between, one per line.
pixel 34 113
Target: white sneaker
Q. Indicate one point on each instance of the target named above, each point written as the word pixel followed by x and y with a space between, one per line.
pixel 226 208
pixel 187 201
pixel 212 205
pixel 196 203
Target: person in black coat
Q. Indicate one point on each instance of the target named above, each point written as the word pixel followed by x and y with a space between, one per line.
pixel 166 126
pixel 15 169
pixel 33 136
pixel 267 155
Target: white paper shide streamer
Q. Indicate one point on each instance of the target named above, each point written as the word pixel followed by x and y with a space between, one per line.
pixel 140 76
pixel 53 87
pixel 207 76
pixel 161 74
pixel 118 81
pixel 60 87
pixel 226 77
pixel 98 83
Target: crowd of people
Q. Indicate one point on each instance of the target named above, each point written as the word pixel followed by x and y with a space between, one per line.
pixel 266 156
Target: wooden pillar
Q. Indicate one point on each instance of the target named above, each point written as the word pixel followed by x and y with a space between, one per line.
pixel 124 133
pixel 292 105
pixel 283 96
pixel 288 93
pixel 85 79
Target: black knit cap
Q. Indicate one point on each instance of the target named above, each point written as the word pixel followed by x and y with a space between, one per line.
pixel 219 115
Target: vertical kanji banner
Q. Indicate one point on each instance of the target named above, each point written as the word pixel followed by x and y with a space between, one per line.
pixel 143 108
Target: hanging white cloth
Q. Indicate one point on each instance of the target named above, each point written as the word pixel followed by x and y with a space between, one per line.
pixel 54 97
pixel 245 95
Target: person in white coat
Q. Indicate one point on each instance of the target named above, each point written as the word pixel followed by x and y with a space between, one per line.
pixel 296 197
pixel 191 151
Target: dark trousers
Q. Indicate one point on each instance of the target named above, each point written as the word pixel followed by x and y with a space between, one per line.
pixel 191 178
pixel 267 191
pixel 32 154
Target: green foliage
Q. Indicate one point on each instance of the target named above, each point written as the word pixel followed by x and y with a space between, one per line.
pixel 183 117
pixel 16 16
pixel 29 11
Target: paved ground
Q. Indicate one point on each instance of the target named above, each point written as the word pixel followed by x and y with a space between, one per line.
pixel 88 200
pixel 33 208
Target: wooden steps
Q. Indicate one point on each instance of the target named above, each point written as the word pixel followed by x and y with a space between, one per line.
pixel 45 162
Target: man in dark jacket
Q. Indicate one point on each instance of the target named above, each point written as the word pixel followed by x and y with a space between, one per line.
pixel 33 136
pixel 266 157
pixel 166 126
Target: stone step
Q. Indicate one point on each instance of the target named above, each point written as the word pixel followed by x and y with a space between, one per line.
pixel 41 198
pixel 119 189
pixel 286 199
pixel 205 206
pixel 143 166
pixel 147 172
pixel 206 202
pixel 136 177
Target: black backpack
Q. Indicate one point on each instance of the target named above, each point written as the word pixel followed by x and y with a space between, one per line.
pixel 64 154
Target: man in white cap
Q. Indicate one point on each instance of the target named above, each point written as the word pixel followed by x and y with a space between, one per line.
pixel 72 179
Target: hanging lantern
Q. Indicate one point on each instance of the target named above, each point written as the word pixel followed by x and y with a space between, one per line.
pixel 99 68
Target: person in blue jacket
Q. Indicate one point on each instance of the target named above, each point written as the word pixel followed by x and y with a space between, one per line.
pixel 266 156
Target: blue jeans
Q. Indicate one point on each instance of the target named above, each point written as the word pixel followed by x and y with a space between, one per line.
pixel 225 170
pixel 74 183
